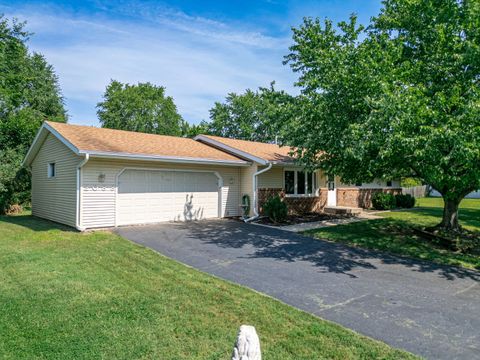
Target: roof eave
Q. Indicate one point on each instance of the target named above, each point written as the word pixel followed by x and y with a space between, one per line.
pixel 169 159
pixel 231 150
pixel 40 137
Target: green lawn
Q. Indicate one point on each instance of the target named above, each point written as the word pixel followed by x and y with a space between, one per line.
pixel 66 295
pixel 393 233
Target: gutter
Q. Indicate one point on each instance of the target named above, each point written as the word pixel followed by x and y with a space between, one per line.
pixel 78 225
pixel 255 200
pixel 172 159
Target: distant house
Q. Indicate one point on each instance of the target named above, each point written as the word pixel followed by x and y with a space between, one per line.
pixel 472 195
pixel 89 177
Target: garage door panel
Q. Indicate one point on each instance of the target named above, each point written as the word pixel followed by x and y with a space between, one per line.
pixel 146 196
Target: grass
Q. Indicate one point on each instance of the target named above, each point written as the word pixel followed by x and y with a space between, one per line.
pixel 393 234
pixel 66 295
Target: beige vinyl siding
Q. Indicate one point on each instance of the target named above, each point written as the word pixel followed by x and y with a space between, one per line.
pixel 246 183
pixel 98 199
pixel 272 179
pixel 55 198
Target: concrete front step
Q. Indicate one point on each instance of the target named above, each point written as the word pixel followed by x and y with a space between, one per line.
pixel 342 210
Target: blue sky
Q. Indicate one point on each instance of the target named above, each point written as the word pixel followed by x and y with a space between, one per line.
pixel 198 50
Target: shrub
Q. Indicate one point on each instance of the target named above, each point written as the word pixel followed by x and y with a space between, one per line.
pixel 405 200
pixel 410 182
pixel 275 209
pixel 14 181
pixel 468 244
pixel 383 201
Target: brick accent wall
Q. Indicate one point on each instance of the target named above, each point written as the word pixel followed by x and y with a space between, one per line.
pixel 349 197
pixel 296 205
pixel 353 197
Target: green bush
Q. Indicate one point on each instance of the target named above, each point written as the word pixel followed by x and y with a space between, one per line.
pixel 468 244
pixel 405 201
pixel 275 209
pixel 383 201
pixel 410 182
pixel 14 181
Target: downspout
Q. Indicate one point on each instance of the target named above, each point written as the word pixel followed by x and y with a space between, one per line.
pixel 255 197
pixel 79 185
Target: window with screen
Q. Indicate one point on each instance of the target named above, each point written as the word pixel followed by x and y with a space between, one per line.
pixel 299 183
pixel 290 182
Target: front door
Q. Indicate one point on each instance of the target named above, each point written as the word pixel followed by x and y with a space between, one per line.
pixel 332 191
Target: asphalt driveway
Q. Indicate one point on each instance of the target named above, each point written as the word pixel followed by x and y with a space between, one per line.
pixel 430 310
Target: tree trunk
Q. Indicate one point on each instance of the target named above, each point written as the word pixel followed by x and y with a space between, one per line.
pixel 450 215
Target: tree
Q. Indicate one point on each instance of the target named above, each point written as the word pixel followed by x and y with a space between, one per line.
pixel 253 115
pixel 398 98
pixel 142 107
pixel 29 94
pixel 192 130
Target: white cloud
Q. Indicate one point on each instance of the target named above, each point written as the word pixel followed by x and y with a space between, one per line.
pixel 198 60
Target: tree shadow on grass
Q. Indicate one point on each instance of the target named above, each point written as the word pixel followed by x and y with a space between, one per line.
pixel 34 223
pixel 281 245
pixel 467 216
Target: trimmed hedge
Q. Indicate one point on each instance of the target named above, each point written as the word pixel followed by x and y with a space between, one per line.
pixel 275 209
pixel 405 201
pixel 383 201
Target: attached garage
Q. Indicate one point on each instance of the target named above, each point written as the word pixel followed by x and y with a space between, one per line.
pixel 150 196
pixel 89 177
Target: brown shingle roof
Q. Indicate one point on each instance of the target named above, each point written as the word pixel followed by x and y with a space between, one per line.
pixel 93 139
pixel 268 152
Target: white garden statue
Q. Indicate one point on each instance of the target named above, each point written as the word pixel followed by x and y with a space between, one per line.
pixel 247 346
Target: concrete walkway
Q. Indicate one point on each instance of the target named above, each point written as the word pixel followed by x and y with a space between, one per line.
pixel 430 310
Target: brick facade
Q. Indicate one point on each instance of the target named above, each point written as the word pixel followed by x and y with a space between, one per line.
pixel 349 197
pixel 296 205
pixel 362 198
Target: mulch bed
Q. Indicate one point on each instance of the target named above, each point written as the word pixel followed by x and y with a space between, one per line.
pixel 299 219
pixel 464 241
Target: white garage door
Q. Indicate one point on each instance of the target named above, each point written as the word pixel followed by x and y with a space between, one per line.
pixel 149 196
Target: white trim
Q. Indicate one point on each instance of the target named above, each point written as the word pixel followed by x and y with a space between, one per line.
pixel 219 177
pixel 61 138
pixel 30 149
pixel 230 149
pixel 46 126
pixel 255 192
pixel 79 194
pixel 172 159
pixel 295 183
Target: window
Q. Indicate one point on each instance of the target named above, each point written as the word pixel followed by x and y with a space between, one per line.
pixel 290 182
pixel 299 182
pixel 310 177
pixel 331 182
pixel 389 183
pixel 51 170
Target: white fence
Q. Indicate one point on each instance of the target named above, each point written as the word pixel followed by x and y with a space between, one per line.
pixel 416 191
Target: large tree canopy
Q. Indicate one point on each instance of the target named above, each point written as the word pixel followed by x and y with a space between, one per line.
pixel 29 94
pixel 253 115
pixel 143 107
pixel 398 98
